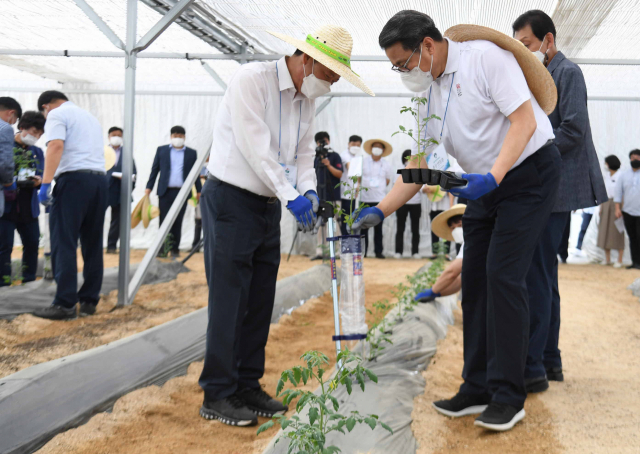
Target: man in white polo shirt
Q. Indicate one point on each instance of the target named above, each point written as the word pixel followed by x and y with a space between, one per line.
pixel 498 132
pixel 75 159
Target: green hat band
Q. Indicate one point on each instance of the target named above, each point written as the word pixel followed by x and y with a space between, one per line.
pixel 328 51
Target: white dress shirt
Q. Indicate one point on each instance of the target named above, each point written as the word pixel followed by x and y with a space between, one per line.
pixel 488 86
pixel 346 157
pixel 627 191
pixel 610 182
pixel 374 177
pixel 247 131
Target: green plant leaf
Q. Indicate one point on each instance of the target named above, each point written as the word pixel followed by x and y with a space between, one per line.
pixel 360 378
pixel 279 387
pixel 297 373
pixel 266 426
pixel 351 422
pixel 284 424
pixel 292 378
pixel 371 422
pixel 313 415
pixel 348 384
pixel 336 405
pixel 384 426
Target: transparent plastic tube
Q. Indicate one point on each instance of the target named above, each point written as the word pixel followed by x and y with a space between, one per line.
pixel 352 303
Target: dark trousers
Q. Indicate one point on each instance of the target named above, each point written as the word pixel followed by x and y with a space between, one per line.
pixel 377 236
pixel 241 256
pixel 563 249
pixel 435 238
pixel 632 226
pixel 586 219
pixel 30 235
pixel 197 234
pixel 415 211
pixel 164 203
pixel 114 227
pixel 501 231
pixel 544 299
pixel 77 212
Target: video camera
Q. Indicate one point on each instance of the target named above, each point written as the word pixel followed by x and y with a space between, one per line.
pixel 322 151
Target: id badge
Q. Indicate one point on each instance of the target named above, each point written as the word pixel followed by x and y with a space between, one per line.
pixel 375 182
pixel 291 174
pixel 438 159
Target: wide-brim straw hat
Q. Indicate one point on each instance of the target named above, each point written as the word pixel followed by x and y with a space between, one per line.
pixel 136 215
pixel 438 195
pixel 149 212
pixel 330 45
pixel 388 149
pixel 538 77
pixel 109 158
pixel 439 224
pixel 193 200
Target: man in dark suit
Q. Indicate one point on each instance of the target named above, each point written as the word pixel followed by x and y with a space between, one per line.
pixel 115 182
pixel 173 162
pixel 581 186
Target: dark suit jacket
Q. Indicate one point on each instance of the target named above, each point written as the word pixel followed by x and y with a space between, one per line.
pixel 581 182
pixel 162 165
pixel 116 183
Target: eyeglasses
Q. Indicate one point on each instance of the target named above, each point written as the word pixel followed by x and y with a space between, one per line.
pixel 403 68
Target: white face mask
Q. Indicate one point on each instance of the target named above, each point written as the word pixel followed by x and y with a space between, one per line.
pixel 354 150
pixel 377 151
pixel 457 234
pixel 539 55
pixel 177 142
pixel 28 139
pixel 417 80
pixel 115 141
pixel 312 87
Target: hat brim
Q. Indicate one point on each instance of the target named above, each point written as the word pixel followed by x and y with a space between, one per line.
pixel 438 196
pixel 109 158
pixel 538 77
pixel 388 149
pixel 339 68
pixel 146 212
pixel 439 224
pixel 136 214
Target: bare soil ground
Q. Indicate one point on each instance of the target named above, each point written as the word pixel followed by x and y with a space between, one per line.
pixel 28 340
pixel 595 410
pixel 166 420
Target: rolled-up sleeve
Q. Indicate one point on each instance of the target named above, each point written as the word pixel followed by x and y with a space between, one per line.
pixel 247 100
pixel 55 128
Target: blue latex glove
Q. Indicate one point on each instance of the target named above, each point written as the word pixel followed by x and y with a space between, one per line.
pixel 44 195
pixel 302 209
pixel 368 217
pixel 13 187
pixel 478 186
pixel 426 296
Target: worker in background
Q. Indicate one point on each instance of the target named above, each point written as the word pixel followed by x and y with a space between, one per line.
pixel 10 113
pixel 114 176
pixel 413 209
pixel 500 134
pixel 173 162
pixel 75 159
pixel 354 150
pixel 22 213
pixel 627 199
pixel 581 186
pixel 262 160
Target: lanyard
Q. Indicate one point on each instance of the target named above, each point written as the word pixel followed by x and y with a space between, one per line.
pixel 445 109
pixel 280 132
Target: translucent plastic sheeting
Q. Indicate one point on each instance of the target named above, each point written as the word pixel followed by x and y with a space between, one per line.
pixel 398 369
pixel 352 309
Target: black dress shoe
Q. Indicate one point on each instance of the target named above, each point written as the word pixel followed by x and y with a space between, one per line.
pixel 500 417
pixel 57 312
pixel 111 251
pixel 231 411
pixel 380 256
pixel 175 254
pixel 87 309
pixel 555 374
pixel 536 384
pixel 261 403
pixel 462 404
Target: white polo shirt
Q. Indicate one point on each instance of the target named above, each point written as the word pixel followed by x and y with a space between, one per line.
pixel 374 177
pixel 486 86
pixel 248 130
pixel 82 136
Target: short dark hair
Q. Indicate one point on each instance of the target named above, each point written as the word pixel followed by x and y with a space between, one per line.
pixel 32 119
pixel 454 219
pixel 406 155
pixel 298 52
pixel 178 130
pixel 634 152
pixel 613 162
pixel 355 138
pixel 50 96
pixel 539 21
pixel 114 129
pixel 7 103
pixel 320 136
pixel 409 27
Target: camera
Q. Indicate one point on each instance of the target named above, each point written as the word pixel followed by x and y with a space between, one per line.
pixel 322 151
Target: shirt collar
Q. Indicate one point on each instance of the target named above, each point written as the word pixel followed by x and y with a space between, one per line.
pixel 284 77
pixel 177 149
pixel 453 57
pixel 555 62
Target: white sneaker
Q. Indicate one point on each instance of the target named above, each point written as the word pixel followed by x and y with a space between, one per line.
pixel 397 256
pixel 416 256
pixel 617 265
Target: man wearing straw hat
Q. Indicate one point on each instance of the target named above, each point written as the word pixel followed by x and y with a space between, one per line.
pixel 492 96
pixel 262 159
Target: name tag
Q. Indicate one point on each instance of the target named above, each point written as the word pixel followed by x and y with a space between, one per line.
pixel 438 159
pixel 374 182
pixel 291 174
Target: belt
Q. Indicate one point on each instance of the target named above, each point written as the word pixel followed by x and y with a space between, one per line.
pixel 262 198
pixel 91 172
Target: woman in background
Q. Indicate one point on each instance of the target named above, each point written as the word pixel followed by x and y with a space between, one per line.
pixel 609 237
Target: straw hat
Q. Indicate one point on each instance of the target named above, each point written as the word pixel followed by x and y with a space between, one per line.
pixel 538 77
pixel 193 200
pixel 136 215
pixel 109 158
pixel 149 212
pixel 388 149
pixel 439 224
pixel 438 195
pixel 330 45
